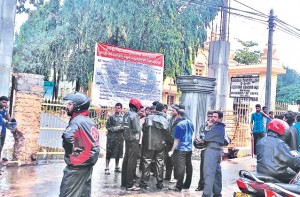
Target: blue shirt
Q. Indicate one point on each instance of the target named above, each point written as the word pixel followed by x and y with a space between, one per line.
pixel 184 132
pixel 258 126
pixel 297 126
pixel 3 114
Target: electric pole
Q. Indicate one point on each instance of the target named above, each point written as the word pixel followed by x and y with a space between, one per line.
pixel 269 60
pixel 224 20
pixel 7 23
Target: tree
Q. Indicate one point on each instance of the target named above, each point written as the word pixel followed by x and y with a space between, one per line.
pixel 245 55
pixel 175 28
pixel 288 86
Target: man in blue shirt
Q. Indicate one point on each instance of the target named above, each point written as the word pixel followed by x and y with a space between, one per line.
pixel 5 118
pixel 297 126
pixel 182 149
pixel 257 124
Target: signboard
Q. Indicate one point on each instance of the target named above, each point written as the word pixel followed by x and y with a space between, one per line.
pixel 121 74
pixel 244 86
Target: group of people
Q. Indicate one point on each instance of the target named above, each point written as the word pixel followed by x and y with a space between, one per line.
pixel 275 137
pixel 161 142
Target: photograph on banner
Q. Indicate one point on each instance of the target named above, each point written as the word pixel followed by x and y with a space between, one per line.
pixel 121 74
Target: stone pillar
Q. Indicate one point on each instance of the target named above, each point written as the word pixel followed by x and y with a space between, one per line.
pixel 196 92
pixel 218 59
pixel 27 111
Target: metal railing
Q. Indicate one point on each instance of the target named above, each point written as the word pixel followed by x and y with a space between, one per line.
pixel 54 120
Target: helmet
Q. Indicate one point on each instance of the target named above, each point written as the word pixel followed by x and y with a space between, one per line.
pixel 278 126
pixel 136 102
pixel 12 125
pixel 199 143
pixel 81 101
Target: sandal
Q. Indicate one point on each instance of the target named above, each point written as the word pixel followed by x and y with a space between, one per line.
pixel 117 169
pixel 106 172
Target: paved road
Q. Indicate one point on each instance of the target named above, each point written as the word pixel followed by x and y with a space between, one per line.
pixel 44 180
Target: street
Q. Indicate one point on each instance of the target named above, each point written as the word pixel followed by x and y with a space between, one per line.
pixel 44 180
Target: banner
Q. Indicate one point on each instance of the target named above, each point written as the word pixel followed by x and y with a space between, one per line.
pixel 121 74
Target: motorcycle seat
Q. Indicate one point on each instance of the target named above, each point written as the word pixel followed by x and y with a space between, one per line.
pixel 290 187
pixel 265 178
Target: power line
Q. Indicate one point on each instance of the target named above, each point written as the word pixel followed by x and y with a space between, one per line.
pixel 251 8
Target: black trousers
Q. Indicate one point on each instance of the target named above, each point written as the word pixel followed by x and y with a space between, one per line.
pixel 183 165
pixel 76 182
pixel 147 157
pixel 129 163
pixel 257 136
pixel 168 162
pixel 2 140
pixel 201 181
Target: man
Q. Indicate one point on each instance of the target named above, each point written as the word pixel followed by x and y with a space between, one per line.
pixel 169 143
pixel 214 139
pixel 81 144
pixel 290 136
pixel 271 115
pixel 182 149
pixel 297 126
pixel 274 157
pixel 153 144
pixel 256 125
pixel 204 128
pixel 115 138
pixel 5 118
pixel 266 119
pixel 132 130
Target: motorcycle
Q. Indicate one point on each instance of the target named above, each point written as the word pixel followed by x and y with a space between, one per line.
pixel 256 184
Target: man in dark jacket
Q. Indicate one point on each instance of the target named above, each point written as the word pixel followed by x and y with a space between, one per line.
pixel 115 138
pixel 274 157
pixel 81 144
pixel 204 128
pixel 214 140
pixel 170 141
pixel 290 136
pixel 153 144
pixel 132 131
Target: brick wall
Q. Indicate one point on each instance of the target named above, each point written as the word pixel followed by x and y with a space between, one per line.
pixel 27 111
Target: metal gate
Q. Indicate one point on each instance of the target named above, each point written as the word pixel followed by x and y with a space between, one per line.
pixel 54 121
pixel 238 123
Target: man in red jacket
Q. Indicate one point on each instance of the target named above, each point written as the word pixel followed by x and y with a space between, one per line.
pixel 81 144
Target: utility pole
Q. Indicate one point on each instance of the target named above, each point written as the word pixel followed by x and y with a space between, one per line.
pixel 224 20
pixel 269 60
pixel 7 23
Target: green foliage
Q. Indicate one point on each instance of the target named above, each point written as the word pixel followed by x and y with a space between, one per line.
pixel 288 86
pixel 245 55
pixel 62 37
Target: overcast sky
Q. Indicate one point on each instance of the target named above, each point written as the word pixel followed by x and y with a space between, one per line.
pixel 287 46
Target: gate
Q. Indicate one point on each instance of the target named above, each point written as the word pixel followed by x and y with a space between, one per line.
pixel 238 123
pixel 54 120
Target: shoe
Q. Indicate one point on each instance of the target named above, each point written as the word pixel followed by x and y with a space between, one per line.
pixel 118 169
pixel 173 181
pixel 199 188
pixel 160 186
pixel 133 188
pixel 174 189
pixel 106 171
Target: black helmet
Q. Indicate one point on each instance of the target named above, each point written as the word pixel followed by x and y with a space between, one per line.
pixel 81 101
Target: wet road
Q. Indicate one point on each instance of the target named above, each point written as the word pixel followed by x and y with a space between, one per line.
pixel 44 180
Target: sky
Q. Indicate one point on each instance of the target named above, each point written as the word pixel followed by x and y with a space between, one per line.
pixel 286 45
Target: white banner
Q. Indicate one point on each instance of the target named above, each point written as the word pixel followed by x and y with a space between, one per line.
pixel 121 74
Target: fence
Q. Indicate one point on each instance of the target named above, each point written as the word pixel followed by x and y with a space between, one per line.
pixel 54 120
